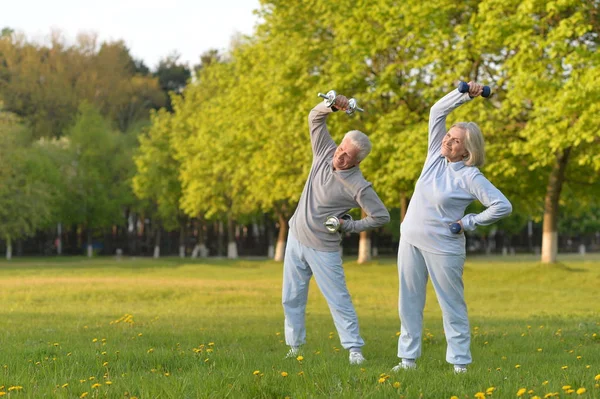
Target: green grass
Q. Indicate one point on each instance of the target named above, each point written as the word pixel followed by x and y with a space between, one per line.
pixel 201 330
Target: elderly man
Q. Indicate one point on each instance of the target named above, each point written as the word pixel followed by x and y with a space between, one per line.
pixel 335 185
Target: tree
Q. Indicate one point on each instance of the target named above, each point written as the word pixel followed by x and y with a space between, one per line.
pixel 551 60
pixel 27 195
pixel 99 185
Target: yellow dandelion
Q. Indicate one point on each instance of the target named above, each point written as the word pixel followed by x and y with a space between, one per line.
pixel 530 391
pixel 96 385
pixel 581 391
pixel 83 395
pixel 570 391
pixel 490 390
pixel 480 395
pixel 105 364
pixel 209 351
pixel 206 360
pixel 564 367
pixel 256 372
pixel 498 369
pixel 504 357
pixel 108 382
pixel 317 352
pixel 167 374
pixel 300 358
pixel 381 380
pixel 65 385
pixel 140 334
pixel 301 373
pixel 548 395
pixel 92 378
pixel 545 383
pixel 579 357
pixel 453 397
pixel 397 333
pixel 540 349
pixel 587 366
pixel 278 333
pixel 517 366
pixel 485 343
pixel 597 378
pixel 150 350
pixel 95 340
pixel 566 387
pixel 396 385
pixel 2 393
pixel 535 397
pixel 521 391
pixel 103 339
pixel 284 374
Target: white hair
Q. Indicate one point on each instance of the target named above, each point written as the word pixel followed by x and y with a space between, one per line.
pixel 474 143
pixel 360 141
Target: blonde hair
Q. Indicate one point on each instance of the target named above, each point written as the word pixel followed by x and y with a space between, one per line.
pixel 474 143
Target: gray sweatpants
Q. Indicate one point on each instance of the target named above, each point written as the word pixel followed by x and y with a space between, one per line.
pixel 414 267
pixel 299 265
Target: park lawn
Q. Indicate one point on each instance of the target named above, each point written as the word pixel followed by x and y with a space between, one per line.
pixel 173 328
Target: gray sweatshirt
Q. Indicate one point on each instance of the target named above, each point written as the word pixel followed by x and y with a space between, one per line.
pixel 445 189
pixel 330 192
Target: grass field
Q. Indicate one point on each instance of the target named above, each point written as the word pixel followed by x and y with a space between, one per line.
pixel 172 328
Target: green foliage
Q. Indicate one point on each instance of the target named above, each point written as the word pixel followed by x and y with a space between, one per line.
pixel 27 193
pixel 98 179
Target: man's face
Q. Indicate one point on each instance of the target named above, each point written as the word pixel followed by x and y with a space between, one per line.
pixel 345 156
pixel 453 145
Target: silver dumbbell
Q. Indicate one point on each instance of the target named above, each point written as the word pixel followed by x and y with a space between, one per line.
pixel 333 224
pixel 329 97
pixel 329 100
pixel 353 106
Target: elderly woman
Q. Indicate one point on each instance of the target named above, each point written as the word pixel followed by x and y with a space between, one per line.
pixel 449 182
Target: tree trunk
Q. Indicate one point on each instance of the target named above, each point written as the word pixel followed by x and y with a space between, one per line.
pixel 550 226
pixel 270 237
pixel 157 242
pixel 403 205
pixel 231 244
pixel 59 243
pixel 201 244
pixel 8 248
pixel 90 248
pixel 219 230
pixel 281 237
pixel 364 244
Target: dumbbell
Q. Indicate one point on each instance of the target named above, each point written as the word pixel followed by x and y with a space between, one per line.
pixel 463 87
pixel 330 100
pixel 455 228
pixel 332 224
pixel 329 97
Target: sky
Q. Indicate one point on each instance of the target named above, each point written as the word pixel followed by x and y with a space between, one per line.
pixel 151 29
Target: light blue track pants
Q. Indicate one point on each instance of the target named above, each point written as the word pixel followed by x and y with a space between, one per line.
pixel 299 265
pixel 414 268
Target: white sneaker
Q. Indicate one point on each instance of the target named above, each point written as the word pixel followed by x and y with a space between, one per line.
pixel 403 365
pixel 357 358
pixel 293 352
pixel 459 369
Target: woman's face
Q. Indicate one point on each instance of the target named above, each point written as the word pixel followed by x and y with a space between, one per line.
pixel 453 145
